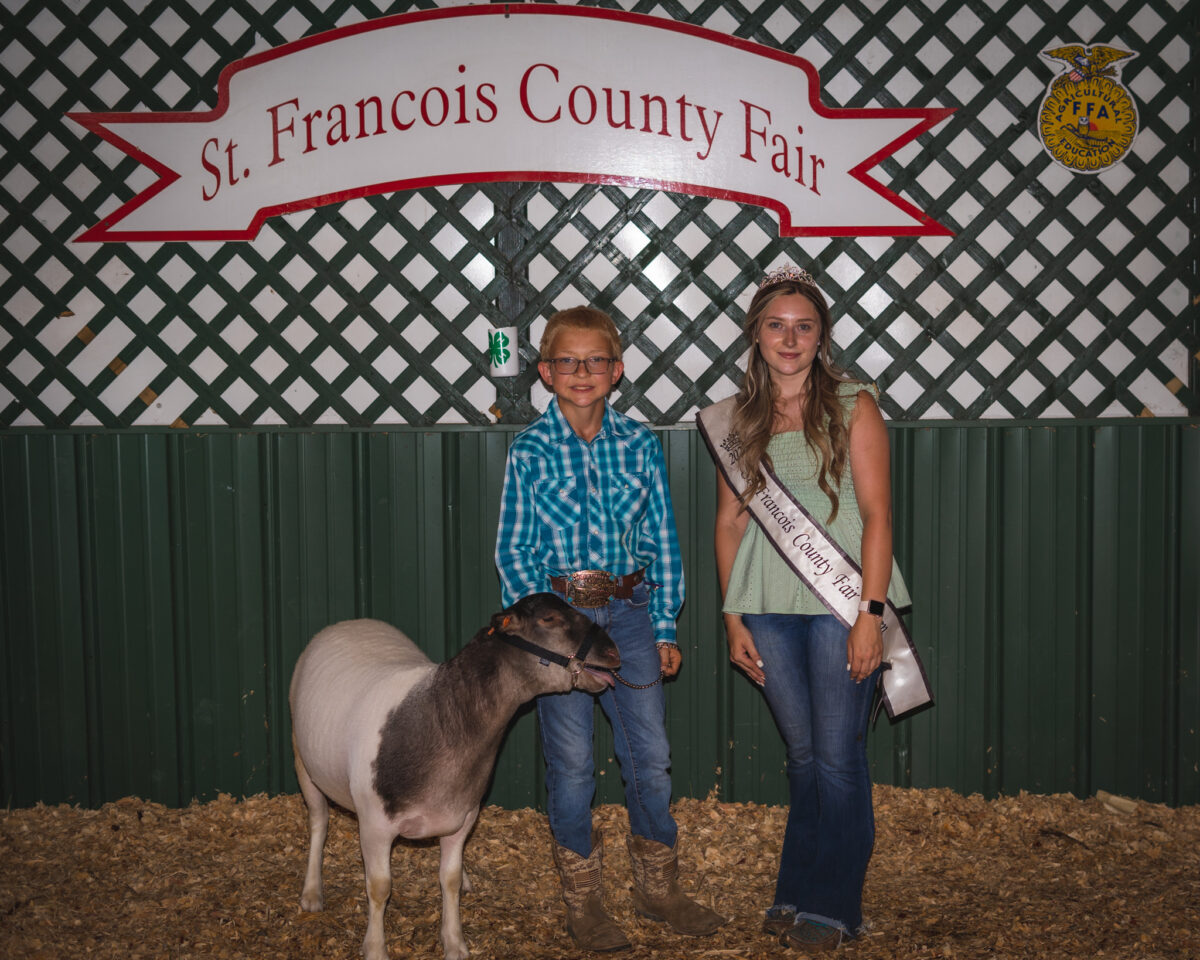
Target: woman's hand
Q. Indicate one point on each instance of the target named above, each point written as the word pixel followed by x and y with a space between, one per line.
pixel 864 647
pixel 742 652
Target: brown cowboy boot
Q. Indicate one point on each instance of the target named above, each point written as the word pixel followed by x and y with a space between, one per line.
pixel 656 892
pixel 587 920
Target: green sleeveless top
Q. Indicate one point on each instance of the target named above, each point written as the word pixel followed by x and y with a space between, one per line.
pixel 761 581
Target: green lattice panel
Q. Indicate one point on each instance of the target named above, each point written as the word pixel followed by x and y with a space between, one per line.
pixel 1058 295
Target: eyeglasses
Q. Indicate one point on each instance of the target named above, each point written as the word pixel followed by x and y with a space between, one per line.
pixel 568 365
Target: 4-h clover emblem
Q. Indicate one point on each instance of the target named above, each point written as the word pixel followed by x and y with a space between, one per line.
pixel 498 344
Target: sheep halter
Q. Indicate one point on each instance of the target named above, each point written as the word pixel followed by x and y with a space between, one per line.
pixel 573 663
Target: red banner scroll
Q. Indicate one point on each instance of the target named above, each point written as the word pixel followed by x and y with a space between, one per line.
pixel 501 93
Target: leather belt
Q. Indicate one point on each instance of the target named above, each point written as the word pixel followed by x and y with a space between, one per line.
pixel 594 588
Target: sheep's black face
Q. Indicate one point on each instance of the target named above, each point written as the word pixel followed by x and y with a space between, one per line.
pixel 551 622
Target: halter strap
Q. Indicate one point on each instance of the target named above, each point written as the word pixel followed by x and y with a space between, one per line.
pixel 549 656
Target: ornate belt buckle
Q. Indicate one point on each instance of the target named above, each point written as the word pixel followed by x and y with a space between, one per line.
pixel 590 588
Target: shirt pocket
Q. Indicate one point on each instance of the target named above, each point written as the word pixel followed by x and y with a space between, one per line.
pixel 559 502
pixel 629 494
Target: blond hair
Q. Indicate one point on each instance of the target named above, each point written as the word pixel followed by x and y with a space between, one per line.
pixel 580 318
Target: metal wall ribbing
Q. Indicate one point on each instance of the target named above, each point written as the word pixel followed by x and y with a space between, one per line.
pixel 157 588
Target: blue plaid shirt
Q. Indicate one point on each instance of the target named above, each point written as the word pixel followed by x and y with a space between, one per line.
pixel 571 505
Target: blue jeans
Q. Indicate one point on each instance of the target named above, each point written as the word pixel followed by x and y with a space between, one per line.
pixel 822 714
pixel 638 719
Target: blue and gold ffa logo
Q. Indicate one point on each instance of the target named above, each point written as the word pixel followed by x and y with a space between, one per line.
pixel 1088 119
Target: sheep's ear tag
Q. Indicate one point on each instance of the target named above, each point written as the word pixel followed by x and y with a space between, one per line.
pixel 505 622
pixel 491 630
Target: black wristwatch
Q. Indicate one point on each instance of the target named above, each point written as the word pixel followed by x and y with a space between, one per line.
pixel 873 607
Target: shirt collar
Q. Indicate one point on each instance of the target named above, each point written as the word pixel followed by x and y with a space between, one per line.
pixel 613 425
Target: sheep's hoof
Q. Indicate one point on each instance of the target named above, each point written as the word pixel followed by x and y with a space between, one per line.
pixel 374 950
pixel 312 902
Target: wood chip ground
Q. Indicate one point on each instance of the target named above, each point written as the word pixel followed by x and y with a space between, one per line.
pixel 952 876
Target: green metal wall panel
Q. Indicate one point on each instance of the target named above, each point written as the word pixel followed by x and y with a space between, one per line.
pixel 46 729
pixel 1136 676
pixel 157 588
pixel 1187 785
pixel 1041 588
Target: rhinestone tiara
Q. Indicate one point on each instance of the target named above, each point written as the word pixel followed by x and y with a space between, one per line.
pixel 787 274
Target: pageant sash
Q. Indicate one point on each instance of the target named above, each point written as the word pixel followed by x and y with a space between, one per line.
pixel 834 577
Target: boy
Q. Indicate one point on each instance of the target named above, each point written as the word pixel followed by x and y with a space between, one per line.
pixel 586 513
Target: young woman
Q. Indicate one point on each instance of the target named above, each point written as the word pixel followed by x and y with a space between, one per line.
pixel 824 439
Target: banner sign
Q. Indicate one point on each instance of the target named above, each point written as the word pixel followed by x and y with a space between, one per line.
pixel 521 92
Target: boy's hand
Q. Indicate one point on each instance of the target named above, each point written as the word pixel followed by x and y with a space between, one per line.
pixel 670 658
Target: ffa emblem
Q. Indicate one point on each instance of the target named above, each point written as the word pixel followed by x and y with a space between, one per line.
pixel 1088 119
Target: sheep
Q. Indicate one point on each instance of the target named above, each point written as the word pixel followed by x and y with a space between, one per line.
pixel 410 745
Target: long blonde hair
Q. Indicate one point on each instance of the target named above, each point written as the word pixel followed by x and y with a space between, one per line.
pixel 825 427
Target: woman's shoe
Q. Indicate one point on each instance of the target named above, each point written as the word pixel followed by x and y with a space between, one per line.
pixel 812 937
pixel 778 921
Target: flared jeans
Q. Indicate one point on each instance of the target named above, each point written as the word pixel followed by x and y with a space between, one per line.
pixel 822 715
